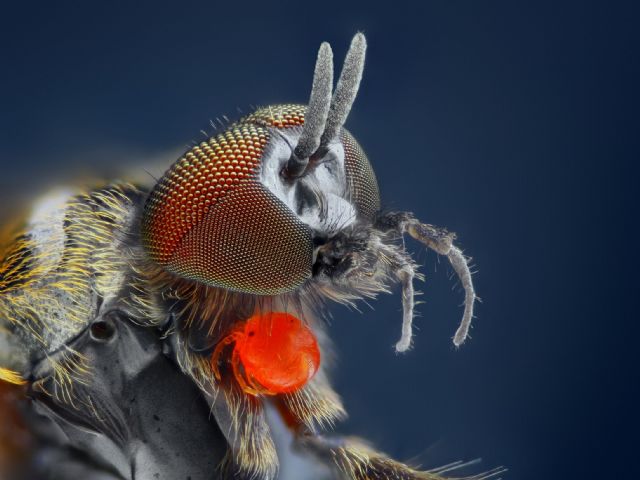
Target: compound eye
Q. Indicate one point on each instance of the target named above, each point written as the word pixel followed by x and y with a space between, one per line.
pixel 209 219
pixel 361 179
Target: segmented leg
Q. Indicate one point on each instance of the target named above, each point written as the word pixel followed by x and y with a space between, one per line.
pixel 252 453
pixel 240 377
pixel 405 275
pixel 440 241
pixel 355 460
pixel 461 266
pixel 403 268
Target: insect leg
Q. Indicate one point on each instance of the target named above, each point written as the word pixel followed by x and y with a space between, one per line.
pixel 316 406
pixel 240 376
pixel 252 453
pixel 353 459
pixel 406 274
pixel 441 241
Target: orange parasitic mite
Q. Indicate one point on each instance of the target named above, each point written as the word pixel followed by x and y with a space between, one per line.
pixel 273 353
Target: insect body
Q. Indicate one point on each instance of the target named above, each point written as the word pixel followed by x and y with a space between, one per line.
pixel 210 285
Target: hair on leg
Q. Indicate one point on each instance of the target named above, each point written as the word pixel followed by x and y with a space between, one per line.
pixel 461 265
pixel 441 241
pixel 354 459
pixel 405 275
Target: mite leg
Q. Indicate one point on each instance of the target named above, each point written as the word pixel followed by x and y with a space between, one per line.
pixel 351 459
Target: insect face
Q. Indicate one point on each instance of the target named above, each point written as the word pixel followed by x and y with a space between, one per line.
pixel 243 210
pixel 286 201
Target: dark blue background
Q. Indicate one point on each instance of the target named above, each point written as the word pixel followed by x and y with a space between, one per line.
pixel 513 123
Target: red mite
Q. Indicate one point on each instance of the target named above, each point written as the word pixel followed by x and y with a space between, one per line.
pixel 273 353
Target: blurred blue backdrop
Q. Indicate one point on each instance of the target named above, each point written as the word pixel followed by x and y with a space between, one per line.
pixel 515 124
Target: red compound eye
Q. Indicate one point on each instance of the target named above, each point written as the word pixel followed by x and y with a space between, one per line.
pixel 210 219
pixel 273 354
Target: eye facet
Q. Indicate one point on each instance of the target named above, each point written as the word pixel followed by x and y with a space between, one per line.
pixel 361 179
pixel 287 115
pixel 209 219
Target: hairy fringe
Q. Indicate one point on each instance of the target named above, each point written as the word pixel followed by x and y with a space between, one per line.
pixel 355 460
